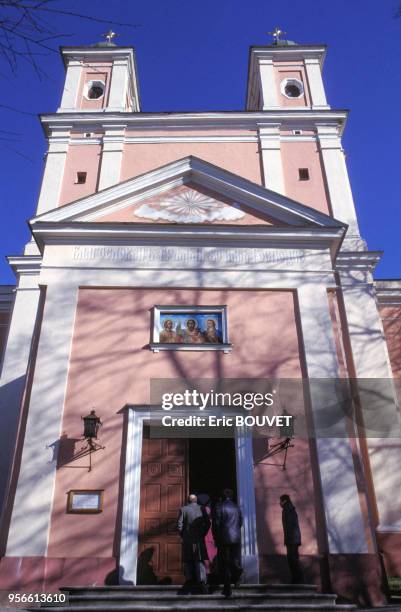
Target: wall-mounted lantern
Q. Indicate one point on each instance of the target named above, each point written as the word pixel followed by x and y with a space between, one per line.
pixel 92 423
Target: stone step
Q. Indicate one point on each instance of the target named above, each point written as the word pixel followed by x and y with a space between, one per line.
pixel 227 605
pixel 162 590
pixel 199 601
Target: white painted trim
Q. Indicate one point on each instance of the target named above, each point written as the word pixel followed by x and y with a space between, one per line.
pixel 35 487
pixel 316 87
pixel 21 303
pixel 292 81
pixel 371 360
pixel 91 83
pixel 53 175
pixel 131 498
pixel 337 180
pixel 246 500
pixel 288 118
pixel 190 309
pixel 132 495
pixel 345 526
pixel 273 172
pixel 71 86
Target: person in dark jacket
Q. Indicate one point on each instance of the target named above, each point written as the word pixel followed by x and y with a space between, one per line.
pixel 227 523
pixel 193 525
pixel 292 538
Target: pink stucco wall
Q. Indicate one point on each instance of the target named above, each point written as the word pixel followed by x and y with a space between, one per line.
pixel 297 155
pixel 80 158
pixel 241 158
pixel 111 365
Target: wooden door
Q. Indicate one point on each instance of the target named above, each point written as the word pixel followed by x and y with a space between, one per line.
pixel 163 492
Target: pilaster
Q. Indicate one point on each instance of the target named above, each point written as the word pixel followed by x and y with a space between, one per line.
pixel 71 87
pixel 35 488
pixel 343 515
pixel 273 175
pixel 316 87
pixel 53 174
pixel 112 156
pixel 118 86
pixel 378 397
pixel 16 358
pixel 268 85
pixel 337 180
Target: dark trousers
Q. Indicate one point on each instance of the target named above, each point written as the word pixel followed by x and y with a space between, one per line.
pixel 297 575
pixel 230 559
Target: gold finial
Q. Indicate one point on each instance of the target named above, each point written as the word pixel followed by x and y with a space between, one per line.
pixel 109 36
pixel 276 34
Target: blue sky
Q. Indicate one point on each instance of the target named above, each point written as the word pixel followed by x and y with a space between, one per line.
pixel 193 56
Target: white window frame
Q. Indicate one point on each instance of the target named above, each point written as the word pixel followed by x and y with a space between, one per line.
pixel 156 346
pixel 96 83
pixel 292 81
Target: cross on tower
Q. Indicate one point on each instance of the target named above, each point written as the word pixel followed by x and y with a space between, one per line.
pixel 109 36
pixel 277 32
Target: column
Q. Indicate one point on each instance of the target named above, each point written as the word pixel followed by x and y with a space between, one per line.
pixel 378 398
pixel 344 520
pixel 35 488
pixel 112 156
pixel 273 175
pixel 316 88
pixel 70 92
pixel 53 175
pixel 15 365
pixel 337 180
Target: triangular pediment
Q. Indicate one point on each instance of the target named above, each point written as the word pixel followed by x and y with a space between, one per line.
pixel 189 191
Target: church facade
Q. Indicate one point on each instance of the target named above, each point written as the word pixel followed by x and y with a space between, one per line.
pixel 195 245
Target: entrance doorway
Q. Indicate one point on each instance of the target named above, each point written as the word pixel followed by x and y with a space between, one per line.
pixel 211 463
pixel 170 470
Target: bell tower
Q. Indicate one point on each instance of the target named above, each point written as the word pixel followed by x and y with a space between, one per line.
pixel 101 77
pixel 286 75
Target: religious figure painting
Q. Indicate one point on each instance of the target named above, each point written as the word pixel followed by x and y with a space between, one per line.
pixel 191 328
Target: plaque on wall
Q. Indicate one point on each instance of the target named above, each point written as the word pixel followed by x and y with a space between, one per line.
pixel 80 501
pixel 199 328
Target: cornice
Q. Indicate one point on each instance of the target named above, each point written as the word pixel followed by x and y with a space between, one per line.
pixel 46 233
pixel 354 260
pixel 388 292
pixel 25 264
pixel 300 118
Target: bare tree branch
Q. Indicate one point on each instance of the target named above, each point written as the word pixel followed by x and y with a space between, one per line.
pixel 26 28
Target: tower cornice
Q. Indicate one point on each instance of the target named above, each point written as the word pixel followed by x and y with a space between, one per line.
pixel 302 118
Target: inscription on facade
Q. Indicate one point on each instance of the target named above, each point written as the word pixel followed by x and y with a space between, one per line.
pixel 187 256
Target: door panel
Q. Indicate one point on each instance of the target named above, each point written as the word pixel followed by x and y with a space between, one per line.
pixel 163 492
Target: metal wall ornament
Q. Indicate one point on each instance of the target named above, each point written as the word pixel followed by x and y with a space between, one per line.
pixel 92 423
